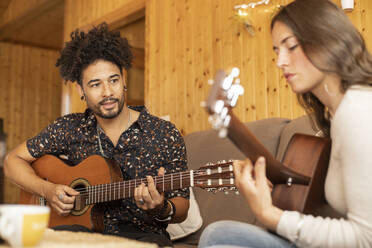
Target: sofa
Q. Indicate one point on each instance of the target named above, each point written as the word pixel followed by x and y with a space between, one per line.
pixel 206 146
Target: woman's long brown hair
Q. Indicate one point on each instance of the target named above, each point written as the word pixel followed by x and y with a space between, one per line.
pixel 331 43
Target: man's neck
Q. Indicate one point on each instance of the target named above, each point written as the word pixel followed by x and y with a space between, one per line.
pixel 115 126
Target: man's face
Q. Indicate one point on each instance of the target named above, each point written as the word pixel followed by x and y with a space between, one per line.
pixel 103 87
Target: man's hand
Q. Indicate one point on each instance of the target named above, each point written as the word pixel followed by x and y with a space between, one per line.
pixel 60 197
pixel 148 197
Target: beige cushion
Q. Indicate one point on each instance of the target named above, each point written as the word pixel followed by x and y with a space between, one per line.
pixel 192 223
pixel 206 146
pixel 299 125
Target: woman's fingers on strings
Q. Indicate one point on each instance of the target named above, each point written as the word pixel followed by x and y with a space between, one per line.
pixel 260 171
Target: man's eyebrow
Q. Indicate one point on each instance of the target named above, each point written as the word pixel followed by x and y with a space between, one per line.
pixel 96 80
pixel 115 75
pixel 92 81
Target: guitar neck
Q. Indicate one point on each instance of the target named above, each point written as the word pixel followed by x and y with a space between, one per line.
pixel 125 189
pixel 277 173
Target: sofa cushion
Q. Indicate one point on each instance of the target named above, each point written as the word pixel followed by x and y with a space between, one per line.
pixel 192 223
pixel 206 146
pixel 302 125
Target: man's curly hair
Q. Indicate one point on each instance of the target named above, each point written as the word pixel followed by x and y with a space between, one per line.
pixel 86 48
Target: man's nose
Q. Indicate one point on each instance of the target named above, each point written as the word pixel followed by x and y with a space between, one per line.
pixel 107 89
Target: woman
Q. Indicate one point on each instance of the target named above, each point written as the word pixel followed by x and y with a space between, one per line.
pixel 325 61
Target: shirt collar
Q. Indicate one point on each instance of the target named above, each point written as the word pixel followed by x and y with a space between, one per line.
pixel 90 121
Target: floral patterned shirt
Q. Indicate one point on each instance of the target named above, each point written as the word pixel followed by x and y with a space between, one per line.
pixel 148 144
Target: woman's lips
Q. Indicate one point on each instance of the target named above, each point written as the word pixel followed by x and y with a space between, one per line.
pixel 289 76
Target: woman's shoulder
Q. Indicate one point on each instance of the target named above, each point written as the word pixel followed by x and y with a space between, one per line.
pixel 356 103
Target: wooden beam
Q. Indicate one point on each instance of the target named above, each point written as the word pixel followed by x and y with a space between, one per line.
pixel 3 6
pixel 122 16
pixel 139 57
pixel 10 27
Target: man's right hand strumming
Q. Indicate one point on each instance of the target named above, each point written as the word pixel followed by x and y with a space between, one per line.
pixel 60 197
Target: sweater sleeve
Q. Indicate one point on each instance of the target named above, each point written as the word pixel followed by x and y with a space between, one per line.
pixel 351 150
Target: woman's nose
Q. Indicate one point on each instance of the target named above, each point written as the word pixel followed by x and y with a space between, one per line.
pixel 282 59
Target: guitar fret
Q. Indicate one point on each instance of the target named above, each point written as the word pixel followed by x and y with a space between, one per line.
pixel 171 181
pixel 192 178
pixel 105 192
pixel 95 194
pixel 181 180
pixel 163 183
pixel 88 195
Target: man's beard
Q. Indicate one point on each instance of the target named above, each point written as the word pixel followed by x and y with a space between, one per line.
pixel 111 113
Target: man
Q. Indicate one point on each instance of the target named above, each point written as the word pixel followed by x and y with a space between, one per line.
pixel 143 145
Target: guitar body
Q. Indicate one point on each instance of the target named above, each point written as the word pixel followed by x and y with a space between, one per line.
pixel 99 180
pixel 299 179
pixel 94 170
pixel 310 156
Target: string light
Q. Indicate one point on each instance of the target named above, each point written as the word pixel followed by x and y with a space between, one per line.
pixel 252 5
pixel 244 12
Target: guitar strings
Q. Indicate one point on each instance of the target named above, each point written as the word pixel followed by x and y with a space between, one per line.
pixel 167 178
pixel 132 184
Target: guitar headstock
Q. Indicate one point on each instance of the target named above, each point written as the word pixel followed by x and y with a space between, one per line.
pixel 215 177
pixel 223 96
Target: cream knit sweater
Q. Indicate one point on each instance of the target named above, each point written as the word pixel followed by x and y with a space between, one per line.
pixel 348 185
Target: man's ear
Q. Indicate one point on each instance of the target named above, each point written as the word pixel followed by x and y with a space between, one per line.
pixel 80 91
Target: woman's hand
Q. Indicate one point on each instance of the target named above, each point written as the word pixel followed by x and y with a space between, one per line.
pixel 256 188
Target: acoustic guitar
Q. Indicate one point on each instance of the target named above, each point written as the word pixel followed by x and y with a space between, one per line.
pixel 99 180
pixel 299 180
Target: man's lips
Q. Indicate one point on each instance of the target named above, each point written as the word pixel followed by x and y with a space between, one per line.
pixel 108 104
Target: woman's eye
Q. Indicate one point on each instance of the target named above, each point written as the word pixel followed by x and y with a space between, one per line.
pixel 293 47
pixel 114 80
pixel 94 85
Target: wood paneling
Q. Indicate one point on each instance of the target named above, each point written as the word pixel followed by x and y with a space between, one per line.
pixel 35 22
pixel 30 95
pixel 187 41
pixel 135 33
pixel 84 14
pixel 208 38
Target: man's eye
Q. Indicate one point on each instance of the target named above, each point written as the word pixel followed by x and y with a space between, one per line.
pixel 94 85
pixel 114 80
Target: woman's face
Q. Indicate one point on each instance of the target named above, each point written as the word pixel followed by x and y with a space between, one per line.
pixel 300 73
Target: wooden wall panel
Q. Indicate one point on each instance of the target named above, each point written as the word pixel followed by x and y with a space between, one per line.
pixel 30 95
pixel 187 41
pixel 208 38
pixel 82 14
pixel 18 8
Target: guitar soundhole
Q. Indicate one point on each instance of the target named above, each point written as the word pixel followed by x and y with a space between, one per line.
pixel 80 205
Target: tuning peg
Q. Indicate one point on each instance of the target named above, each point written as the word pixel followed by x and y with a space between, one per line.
pixel 210 81
pixel 235 72
pixel 226 192
pixel 237 193
pixel 203 104
pixel 227 120
pixel 222 133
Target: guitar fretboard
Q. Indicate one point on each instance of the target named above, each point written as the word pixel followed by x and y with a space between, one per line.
pixel 125 189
